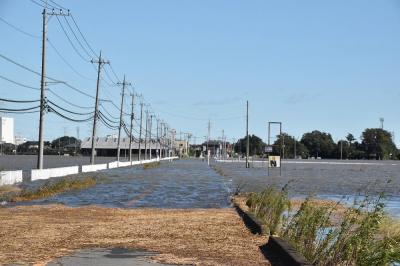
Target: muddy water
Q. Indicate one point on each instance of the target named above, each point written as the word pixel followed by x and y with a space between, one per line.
pixel 177 184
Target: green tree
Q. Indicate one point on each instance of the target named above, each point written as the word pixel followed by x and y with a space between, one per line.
pixel 319 144
pixel 256 145
pixel 64 141
pixel 378 144
pixel 289 145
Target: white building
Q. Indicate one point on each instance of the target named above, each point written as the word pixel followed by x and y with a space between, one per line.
pixel 7 130
pixel 20 140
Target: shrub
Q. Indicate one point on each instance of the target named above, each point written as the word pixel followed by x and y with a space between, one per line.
pixel 269 206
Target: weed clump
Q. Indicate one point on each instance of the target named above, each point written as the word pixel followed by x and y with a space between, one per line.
pixel 269 206
pixel 51 189
pixel 361 235
pixel 151 165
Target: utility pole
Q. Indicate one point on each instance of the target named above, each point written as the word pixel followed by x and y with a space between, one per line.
pixel 208 136
pixel 43 102
pixel 247 135
pixel 140 132
pixel 131 129
pixel 145 135
pixel 223 145
pixel 150 140
pixel 165 139
pixel 100 62
pixel 161 139
pixel 341 149
pixel 381 120
pixel 295 143
pixel 158 141
pixel 124 83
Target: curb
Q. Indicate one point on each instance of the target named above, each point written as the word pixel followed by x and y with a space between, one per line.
pixel 277 250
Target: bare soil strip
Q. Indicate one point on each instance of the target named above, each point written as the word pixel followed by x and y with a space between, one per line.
pixel 38 234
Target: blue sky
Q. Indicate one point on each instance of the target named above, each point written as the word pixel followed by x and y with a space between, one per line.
pixel 332 66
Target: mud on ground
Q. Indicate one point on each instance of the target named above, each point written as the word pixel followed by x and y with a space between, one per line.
pixel 38 234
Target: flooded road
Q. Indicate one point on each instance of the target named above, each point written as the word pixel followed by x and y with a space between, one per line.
pixel 177 184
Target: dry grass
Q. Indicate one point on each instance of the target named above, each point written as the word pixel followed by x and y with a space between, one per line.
pixel 7 190
pixel 38 234
pixel 151 165
pixel 51 189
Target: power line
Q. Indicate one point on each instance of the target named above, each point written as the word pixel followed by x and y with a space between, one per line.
pixel 18 29
pixel 19 84
pixel 113 117
pixel 83 37
pixel 18 101
pixel 68 118
pixel 76 38
pixel 20 110
pixel 66 110
pixel 36 3
pixel 68 102
pixel 20 65
pixel 55 80
pixel 112 70
pixel 66 62
pixel 70 42
pixel 58 5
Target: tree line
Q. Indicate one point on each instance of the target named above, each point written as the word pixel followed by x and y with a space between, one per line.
pixel 376 143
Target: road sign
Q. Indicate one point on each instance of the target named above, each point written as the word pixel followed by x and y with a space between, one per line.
pixel 268 149
pixel 274 161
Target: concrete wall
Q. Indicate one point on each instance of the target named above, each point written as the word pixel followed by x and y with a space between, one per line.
pixel 53 172
pixel 10 177
pixel 93 168
pixel 112 165
pixel 124 164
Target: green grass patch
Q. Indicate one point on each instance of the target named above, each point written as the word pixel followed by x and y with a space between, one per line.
pixel 51 189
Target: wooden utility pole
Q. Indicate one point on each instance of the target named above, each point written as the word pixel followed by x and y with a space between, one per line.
pixel 124 83
pixel 131 129
pixel 43 104
pixel 247 135
pixel 100 62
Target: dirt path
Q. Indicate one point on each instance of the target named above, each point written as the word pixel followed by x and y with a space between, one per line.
pixel 37 234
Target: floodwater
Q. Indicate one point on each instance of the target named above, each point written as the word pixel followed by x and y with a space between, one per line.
pixel 193 184
pixel 328 179
pixel 177 184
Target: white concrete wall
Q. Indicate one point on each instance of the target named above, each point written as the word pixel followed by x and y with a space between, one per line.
pixel 10 177
pixel 112 165
pixel 93 168
pixel 53 172
pixel 124 164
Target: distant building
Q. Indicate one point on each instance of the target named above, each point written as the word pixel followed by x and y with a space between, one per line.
pixel 107 146
pixel 7 130
pixel 181 147
pixel 20 140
